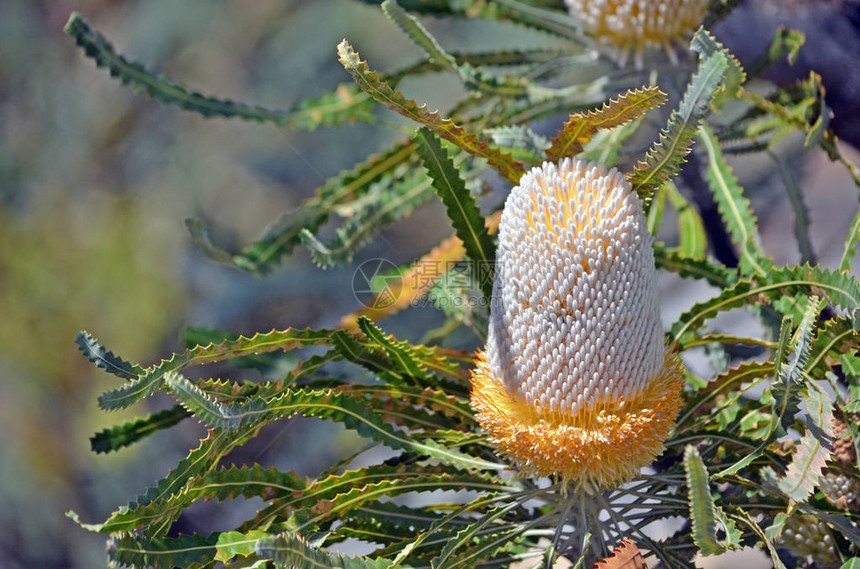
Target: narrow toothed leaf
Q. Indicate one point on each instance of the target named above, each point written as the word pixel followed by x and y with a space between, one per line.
pixel 162 504
pixel 346 104
pixel 815 447
pixel 464 214
pixel 291 550
pixel 370 83
pixel 401 354
pixel 702 510
pixel 115 438
pixel 672 260
pixel 840 289
pixel 152 378
pixel 665 157
pixel 160 552
pixel 734 207
pixel 581 127
pixel 705 45
pixel 386 203
pixel 103 359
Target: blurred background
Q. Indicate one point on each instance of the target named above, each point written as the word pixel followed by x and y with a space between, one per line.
pixel 95 182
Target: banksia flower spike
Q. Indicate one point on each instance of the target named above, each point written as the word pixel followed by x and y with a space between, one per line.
pixel 575 380
pixel 636 25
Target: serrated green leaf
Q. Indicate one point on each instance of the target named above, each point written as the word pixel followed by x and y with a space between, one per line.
pixel 164 502
pixel 400 354
pixel 160 553
pixel 726 382
pixel 233 543
pixel 325 404
pixel 581 127
pixel 815 447
pixel 370 83
pixel 386 204
pixel 705 45
pixel 465 536
pixel 282 236
pixel 733 206
pixel 472 77
pixel 715 274
pixel 289 550
pixel 702 509
pixel 841 290
pixel 663 160
pixel 115 438
pixel 346 104
pixel 103 359
pixel 464 214
pixel 151 380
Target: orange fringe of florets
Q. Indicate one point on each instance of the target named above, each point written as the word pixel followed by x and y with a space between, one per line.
pixel 604 445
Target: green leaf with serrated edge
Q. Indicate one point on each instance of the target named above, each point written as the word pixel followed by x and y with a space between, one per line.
pixel 581 127
pixel 520 141
pixel 115 438
pixel 231 482
pixel 814 449
pixel 233 543
pixel 853 563
pixel 290 550
pixel 103 359
pixel 465 536
pixel 787 384
pixel 704 44
pixel 346 104
pixel 665 157
pixel 364 354
pixel 149 509
pixel 324 404
pixel 213 484
pixel 464 214
pixel 370 83
pixel 344 492
pixel 160 552
pixel 693 241
pixel 841 290
pixel 282 236
pixel 399 353
pixel 343 105
pixel 702 509
pixel 728 339
pixel 338 505
pixel 726 382
pixel 716 274
pixel 152 378
pixel 268 363
pixel 386 205
pixel 472 77
pixel 734 207
pixel 750 522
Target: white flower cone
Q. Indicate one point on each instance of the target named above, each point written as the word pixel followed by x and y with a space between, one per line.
pixel 575 379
